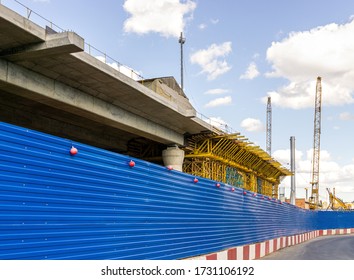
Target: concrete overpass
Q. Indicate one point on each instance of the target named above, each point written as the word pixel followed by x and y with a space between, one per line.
pixel 49 83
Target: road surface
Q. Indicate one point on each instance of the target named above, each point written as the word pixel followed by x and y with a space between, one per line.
pixel 340 247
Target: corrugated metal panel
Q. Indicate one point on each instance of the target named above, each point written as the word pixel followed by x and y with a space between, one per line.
pixel 335 219
pixel 94 206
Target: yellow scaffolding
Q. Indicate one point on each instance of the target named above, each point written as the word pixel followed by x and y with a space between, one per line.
pixel 233 160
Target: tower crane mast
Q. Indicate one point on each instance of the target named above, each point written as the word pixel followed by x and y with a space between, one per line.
pixel 269 127
pixel 314 198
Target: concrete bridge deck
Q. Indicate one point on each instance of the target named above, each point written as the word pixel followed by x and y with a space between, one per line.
pixel 48 83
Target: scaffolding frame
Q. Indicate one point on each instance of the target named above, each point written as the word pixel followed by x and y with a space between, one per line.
pixel 231 159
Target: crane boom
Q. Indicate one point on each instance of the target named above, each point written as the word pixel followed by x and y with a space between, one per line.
pixel 335 203
pixel 314 199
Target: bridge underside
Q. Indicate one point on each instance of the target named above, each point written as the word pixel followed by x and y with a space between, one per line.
pixel 31 114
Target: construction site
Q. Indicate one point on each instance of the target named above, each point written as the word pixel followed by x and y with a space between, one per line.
pixel 226 158
pixel 234 160
pixel 96 165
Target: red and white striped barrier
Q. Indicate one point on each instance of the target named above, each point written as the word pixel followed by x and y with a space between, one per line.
pixel 259 250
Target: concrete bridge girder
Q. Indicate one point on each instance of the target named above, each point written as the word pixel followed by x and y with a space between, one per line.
pixel 28 84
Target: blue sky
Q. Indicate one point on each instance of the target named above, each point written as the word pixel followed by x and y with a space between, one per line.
pixel 236 54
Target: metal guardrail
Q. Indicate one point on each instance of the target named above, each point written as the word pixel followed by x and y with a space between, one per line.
pixel 102 56
pixel 214 124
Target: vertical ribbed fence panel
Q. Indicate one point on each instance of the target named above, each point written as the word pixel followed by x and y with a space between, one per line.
pixel 93 205
pixel 335 219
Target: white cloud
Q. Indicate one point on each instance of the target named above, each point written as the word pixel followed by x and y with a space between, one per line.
pixel 202 26
pixel 346 116
pixel 332 175
pixel 217 91
pixel 324 155
pixel 211 61
pixel 217 121
pixel 295 95
pixel 251 72
pixel 219 102
pixel 166 17
pixel 252 125
pixel 326 51
pixel 256 56
pixel 283 156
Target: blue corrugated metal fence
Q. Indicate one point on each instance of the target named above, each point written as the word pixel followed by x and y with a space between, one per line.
pixel 93 205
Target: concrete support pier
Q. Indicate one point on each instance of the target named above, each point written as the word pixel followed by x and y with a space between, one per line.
pixel 173 156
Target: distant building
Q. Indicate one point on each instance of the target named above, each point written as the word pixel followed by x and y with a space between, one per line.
pixel 299 202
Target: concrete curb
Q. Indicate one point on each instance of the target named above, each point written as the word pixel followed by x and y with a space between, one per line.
pixel 261 249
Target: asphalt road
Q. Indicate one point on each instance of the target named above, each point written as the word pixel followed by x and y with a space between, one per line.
pixel 339 247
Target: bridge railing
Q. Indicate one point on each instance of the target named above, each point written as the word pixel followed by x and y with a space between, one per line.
pixel 216 124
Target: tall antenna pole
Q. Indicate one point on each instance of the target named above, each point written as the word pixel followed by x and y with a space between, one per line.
pixel 182 41
pixel 269 127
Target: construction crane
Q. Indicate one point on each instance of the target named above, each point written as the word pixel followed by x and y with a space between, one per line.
pixel 314 202
pixel 269 127
pixel 335 203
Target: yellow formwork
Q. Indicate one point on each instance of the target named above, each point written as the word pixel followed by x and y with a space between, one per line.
pixel 232 160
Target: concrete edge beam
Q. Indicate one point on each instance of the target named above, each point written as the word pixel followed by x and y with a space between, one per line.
pixel 55 44
pixel 19 21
